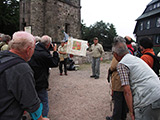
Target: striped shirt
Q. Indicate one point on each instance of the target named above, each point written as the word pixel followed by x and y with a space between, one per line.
pixel 123 72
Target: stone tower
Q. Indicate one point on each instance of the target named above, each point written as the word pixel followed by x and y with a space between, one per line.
pixel 50 17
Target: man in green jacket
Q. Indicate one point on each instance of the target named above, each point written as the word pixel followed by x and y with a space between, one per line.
pixel 97 53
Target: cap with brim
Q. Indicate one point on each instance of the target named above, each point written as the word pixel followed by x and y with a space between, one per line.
pixel 95 38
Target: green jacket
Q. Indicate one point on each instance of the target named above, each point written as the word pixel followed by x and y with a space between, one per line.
pixel 97 50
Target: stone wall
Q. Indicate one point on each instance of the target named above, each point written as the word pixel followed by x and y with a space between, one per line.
pixel 51 16
pixel 88 58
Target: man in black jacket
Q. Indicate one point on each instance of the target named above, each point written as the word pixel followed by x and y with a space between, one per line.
pixel 40 62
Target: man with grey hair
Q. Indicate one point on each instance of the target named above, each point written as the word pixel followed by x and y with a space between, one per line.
pixel 16 80
pixel 120 106
pixel 40 62
pixel 140 83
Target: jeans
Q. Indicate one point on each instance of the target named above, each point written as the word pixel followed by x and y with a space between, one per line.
pixel 43 95
pixel 150 112
pixel 96 66
pixel 65 66
pixel 120 106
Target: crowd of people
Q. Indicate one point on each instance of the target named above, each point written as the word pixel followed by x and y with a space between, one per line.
pixel 134 81
pixel 25 62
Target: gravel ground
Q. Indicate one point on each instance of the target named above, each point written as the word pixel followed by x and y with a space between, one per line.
pixel 79 97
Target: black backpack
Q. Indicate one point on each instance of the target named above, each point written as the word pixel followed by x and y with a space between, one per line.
pixel 156 64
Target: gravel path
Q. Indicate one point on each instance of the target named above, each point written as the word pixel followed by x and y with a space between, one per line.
pixel 79 97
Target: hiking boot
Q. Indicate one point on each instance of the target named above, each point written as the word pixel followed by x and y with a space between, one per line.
pixel 92 76
pixel 109 118
pixel 96 77
pixel 60 74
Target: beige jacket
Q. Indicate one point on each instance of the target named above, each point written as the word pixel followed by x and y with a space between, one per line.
pixel 97 50
pixel 62 49
pixel 5 47
pixel 115 79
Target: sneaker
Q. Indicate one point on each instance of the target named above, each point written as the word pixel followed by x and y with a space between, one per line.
pixel 92 76
pixel 60 74
pixel 96 77
pixel 109 118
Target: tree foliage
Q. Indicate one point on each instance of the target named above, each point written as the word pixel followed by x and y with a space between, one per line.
pixel 104 32
pixel 9 16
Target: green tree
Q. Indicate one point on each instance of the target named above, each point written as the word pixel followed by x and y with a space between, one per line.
pixel 104 32
pixel 9 16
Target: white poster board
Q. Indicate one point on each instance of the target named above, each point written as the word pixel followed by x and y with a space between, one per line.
pixel 77 47
pixel 27 29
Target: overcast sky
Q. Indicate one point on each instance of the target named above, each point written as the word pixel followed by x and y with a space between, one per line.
pixel 122 13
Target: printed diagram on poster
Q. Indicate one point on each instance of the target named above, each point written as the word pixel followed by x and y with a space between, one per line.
pixel 27 29
pixel 77 47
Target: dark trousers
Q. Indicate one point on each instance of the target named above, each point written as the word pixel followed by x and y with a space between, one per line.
pixel 61 65
pixel 43 96
pixel 120 106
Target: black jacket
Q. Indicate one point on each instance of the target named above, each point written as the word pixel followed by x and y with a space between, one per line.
pixel 40 62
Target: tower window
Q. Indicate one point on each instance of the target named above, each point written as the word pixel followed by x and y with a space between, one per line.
pixel 67 27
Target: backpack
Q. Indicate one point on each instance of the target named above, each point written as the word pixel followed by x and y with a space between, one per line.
pixel 10 63
pixel 156 64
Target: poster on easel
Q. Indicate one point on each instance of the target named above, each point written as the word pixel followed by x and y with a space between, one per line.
pixel 27 29
pixel 77 47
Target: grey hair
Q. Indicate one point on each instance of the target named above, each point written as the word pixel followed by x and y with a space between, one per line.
pixel 119 39
pixel 6 38
pixel 45 40
pixel 1 34
pixel 37 38
pixel 21 40
pixel 119 46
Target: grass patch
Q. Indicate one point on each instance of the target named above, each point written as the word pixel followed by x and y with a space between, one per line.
pixel 106 61
pixel 84 66
pixel 88 65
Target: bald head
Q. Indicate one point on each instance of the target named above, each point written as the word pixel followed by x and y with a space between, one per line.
pixel 21 40
pixel 23 44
